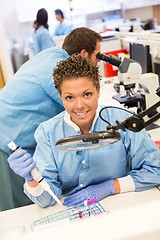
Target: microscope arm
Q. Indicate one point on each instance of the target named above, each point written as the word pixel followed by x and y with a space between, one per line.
pixel 136 122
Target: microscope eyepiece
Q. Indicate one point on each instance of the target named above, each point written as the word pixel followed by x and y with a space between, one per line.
pixel 111 59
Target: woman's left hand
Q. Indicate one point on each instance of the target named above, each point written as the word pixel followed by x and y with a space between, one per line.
pixel 101 191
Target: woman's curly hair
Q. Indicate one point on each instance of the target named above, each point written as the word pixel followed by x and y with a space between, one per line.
pixel 76 66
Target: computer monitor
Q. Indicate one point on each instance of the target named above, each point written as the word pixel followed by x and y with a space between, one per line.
pixel 141 54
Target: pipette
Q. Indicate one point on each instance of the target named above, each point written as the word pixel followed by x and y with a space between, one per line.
pixel 35 174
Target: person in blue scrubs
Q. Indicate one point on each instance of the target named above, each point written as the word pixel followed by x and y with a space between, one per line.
pixel 30 98
pixel 62 28
pixel 41 36
pixel 130 164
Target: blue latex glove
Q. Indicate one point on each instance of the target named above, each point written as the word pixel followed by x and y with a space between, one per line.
pixel 101 190
pixel 22 163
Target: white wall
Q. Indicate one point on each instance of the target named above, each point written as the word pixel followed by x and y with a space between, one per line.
pixel 15 13
pixel 19 14
pixel 5 60
pixel 9 15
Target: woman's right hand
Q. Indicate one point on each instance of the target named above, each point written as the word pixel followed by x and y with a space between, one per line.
pixel 22 163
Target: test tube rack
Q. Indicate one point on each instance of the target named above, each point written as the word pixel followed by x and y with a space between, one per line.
pixel 71 213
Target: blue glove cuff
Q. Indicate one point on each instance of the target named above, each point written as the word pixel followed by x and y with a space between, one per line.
pixel 105 189
pixel 29 179
pixel 110 186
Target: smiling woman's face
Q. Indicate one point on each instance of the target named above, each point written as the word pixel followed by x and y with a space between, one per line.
pixel 80 99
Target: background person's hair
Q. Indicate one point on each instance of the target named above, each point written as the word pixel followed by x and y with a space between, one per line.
pixel 42 18
pixel 59 12
pixel 76 66
pixel 81 38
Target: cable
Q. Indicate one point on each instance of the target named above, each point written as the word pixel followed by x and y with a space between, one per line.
pixel 100 113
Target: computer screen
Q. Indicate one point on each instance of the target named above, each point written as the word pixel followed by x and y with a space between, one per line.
pixel 141 54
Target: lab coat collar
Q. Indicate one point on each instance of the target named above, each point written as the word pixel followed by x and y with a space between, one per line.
pixel 68 120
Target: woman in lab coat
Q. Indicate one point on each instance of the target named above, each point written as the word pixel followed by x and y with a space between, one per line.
pixel 41 37
pixel 31 98
pixel 130 164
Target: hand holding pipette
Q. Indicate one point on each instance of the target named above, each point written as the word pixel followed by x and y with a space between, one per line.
pixel 23 164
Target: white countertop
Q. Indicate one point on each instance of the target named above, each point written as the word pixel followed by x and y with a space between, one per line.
pixel 133 215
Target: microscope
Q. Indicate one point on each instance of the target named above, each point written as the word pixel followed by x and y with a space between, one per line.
pixel 139 88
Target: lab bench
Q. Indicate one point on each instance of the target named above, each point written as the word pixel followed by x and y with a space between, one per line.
pixel 132 215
